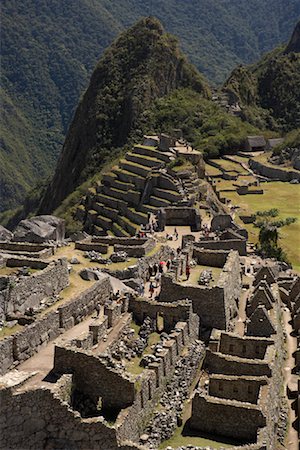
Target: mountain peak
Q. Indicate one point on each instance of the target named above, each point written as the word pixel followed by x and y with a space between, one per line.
pixel 144 63
pixel 294 44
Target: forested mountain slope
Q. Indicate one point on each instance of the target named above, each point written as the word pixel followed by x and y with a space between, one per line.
pixel 269 90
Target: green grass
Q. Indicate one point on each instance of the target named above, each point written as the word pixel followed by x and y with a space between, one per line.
pixel 178 440
pixel 264 160
pixel 286 198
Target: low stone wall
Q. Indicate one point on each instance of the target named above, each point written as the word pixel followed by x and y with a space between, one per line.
pixel 26 247
pixel 243 389
pixel 232 365
pixel 84 304
pixel 89 246
pixel 231 244
pixel 26 292
pixel 239 420
pixel 136 251
pixel 28 341
pixel 113 240
pixel 213 258
pixel 16 261
pixel 273 172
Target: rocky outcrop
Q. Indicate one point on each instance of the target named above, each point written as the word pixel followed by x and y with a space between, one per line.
pixel 40 229
pixel 294 44
pixel 5 235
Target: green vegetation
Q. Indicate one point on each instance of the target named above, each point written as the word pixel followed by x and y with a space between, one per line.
pixel 268 233
pixel 276 195
pixel 269 90
pixel 206 125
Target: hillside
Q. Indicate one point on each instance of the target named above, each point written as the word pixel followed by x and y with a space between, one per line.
pixel 143 64
pixel 50 48
pixel 269 91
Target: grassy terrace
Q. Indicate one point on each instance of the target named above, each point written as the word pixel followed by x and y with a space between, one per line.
pixel 229 166
pixel 280 195
pixel 263 158
pixel 212 171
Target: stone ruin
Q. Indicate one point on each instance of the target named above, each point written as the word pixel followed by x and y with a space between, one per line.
pixel 119 369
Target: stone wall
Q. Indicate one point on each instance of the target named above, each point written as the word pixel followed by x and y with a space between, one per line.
pixel 28 341
pixel 231 244
pixel 93 378
pixel 239 420
pixel 26 292
pixel 213 258
pixel 273 172
pixel 48 422
pixel 216 362
pixel 170 312
pixel 244 347
pixel 89 246
pixel 84 304
pixel 179 216
pixel 215 305
pixel 243 389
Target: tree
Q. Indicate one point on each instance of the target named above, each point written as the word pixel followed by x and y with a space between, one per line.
pixel 268 235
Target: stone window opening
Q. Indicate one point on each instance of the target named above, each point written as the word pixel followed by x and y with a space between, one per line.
pixel 149 388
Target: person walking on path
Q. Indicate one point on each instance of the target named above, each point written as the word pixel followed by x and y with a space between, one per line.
pixel 187 271
pixel 176 234
pixel 151 289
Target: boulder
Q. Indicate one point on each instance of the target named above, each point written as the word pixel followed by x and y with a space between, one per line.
pixel 90 274
pixel 5 235
pixel 40 229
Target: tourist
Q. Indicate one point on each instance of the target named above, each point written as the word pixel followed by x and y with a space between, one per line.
pixel 150 271
pixel 98 309
pixel 168 264
pixel 155 269
pixel 151 289
pixel 187 271
pixel 157 279
pixel 161 267
pixel 176 234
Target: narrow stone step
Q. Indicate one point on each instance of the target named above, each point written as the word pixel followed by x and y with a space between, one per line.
pixel 153 152
pixel 143 160
pixel 119 231
pixel 130 177
pixel 158 202
pixel 127 225
pixel 171 196
pixel 98 231
pixel 146 208
pixel 115 193
pixel 134 168
pixel 104 222
pixel 138 217
pixel 104 210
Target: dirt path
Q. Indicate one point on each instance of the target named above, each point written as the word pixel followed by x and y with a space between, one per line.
pixel 292 442
pixel 42 362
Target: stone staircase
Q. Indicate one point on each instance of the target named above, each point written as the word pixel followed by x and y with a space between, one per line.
pixel 139 185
